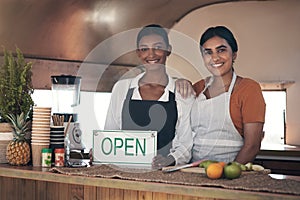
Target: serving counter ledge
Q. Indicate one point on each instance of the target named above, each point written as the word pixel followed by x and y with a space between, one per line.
pixel 27 182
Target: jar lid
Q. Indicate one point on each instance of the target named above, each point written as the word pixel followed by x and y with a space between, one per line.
pixel 66 80
pixel 59 150
pixel 45 150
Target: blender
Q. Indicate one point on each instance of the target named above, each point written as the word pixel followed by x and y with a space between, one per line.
pixel 66 96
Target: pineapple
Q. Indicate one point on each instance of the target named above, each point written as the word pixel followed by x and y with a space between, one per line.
pixel 18 150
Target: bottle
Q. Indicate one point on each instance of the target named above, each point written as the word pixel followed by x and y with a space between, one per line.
pixel 67 150
pixel 59 157
pixel 46 157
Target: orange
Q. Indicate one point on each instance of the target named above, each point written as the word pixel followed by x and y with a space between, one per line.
pixel 222 163
pixel 214 171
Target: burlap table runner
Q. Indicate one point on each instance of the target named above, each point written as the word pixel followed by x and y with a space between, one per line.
pixel 250 181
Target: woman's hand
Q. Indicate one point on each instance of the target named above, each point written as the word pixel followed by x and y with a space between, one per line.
pixel 184 88
pixel 160 161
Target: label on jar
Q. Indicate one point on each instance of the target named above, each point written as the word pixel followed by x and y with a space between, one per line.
pixel 59 157
pixel 46 157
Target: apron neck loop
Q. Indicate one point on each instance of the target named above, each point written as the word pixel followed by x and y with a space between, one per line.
pixel 232 83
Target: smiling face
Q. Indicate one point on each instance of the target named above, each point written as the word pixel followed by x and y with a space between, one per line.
pixel 218 56
pixel 153 51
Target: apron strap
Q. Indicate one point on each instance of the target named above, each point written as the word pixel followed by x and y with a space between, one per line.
pixel 232 83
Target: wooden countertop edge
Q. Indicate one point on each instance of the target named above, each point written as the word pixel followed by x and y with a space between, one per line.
pixel 210 192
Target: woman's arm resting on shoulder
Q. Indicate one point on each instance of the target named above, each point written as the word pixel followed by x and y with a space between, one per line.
pixel 252 142
pixel 184 88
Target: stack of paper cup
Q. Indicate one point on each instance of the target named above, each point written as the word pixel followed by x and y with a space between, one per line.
pixel 40 136
pixel 57 137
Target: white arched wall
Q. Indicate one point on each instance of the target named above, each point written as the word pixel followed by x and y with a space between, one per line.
pixel 268 35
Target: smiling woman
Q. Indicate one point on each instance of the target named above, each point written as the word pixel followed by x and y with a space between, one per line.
pixel 148 101
pixel 228 114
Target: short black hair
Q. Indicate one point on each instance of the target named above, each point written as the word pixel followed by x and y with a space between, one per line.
pixel 150 30
pixel 222 32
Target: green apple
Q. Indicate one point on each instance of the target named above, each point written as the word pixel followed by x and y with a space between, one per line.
pixel 232 170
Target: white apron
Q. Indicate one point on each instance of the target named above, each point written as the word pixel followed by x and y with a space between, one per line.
pixel 214 134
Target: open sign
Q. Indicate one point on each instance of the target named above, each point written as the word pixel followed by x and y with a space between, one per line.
pixel 130 148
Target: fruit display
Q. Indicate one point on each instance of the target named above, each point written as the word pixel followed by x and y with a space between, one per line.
pixel 231 170
pixel 18 150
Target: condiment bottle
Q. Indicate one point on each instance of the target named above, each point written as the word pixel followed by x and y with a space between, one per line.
pixel 46 157
pixel 59 157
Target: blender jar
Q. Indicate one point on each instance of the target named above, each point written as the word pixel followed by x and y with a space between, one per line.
pixel 65 91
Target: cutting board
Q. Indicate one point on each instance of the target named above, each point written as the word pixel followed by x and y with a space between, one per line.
pixel 189 169
pixel 194 170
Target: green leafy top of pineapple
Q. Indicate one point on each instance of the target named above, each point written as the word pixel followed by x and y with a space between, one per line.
pixel 20 125
pixel 15 85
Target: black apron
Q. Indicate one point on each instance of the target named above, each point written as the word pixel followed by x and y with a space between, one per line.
pixel 152 115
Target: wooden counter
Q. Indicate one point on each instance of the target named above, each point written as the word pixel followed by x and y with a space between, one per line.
pixel 37 183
